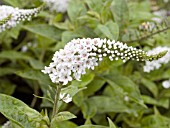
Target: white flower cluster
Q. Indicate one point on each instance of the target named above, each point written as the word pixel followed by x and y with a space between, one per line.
pixel 81 54
pixel 159 15
pixel 166 84
pixel 156 64
pixel 57 5
pixel 15 16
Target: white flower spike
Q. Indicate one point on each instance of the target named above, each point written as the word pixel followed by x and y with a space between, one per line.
pixel 10 16
pixel 81 54
pixel 156 64
pixel 57 5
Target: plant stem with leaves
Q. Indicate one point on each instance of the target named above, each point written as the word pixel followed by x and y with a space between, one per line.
pixel 56 100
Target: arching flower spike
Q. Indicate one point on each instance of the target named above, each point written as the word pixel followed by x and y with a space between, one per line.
pixel 10 16
pixel 81 54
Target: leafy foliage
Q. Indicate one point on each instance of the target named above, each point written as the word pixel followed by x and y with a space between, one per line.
pixel 115 94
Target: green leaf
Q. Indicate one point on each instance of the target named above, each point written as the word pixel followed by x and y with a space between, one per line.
pixel 44 30
pixel 107 31
pixel 154 121
pixel 13 55
pixel 14 32
pixel 151 86
pixel 20 113
pixel 93 6
pixel 92 126
pixel 36 64
pixel 90 21
pixel 88 109
pixel 66 124
pixel 65 115
pixel 17 3
pixel 72 90
pixel 111 124
pixel 69 35
pixel 114 29
pixel 7 71
pixel 6 87
pixel 107 104
pixel 34 75
pixel 76 9
pixel 93 86
pixel 163 102
pixel 128 87
pixel 120 12
pixel 78 99
pixel 85 80
pixel 61 116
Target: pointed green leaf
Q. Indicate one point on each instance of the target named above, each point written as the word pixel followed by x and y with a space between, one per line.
pixel 13 55
pixel 154 121
pixel 20 113
pixel 34 75
pixel 110 30
pixel 127 86
pixel 111 124
pixel 92 126
pixel 151 86
pixel 75 9
pixel 44 30
pixel 69 35
pixel 120 12
pixel 163 102
pixel 85 80
pixel 88 109
pixel 65 115
pixel 61 116
pixel 36 64
pixel 107 104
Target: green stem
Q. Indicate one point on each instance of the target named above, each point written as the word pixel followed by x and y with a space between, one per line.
pixel 56 100
pixel 148 36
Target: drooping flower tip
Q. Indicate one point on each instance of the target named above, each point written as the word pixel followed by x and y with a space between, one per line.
pixel 161 56
pixel 10 16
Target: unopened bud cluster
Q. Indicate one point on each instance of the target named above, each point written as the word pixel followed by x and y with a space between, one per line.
pixel 147 26
pixel 57 5
pixel 156 64
pixel 81 54
pixel 10 16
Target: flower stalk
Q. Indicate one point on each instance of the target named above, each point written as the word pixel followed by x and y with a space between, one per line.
pixel 56 100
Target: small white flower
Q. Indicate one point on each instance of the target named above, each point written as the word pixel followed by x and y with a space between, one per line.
pixel 166 84
pixel 65 97
pixel 126 98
